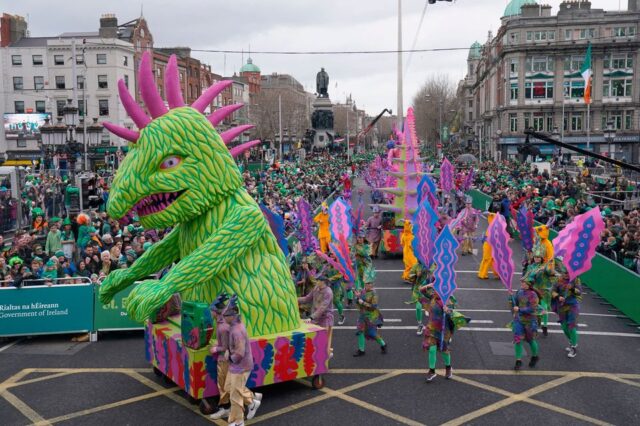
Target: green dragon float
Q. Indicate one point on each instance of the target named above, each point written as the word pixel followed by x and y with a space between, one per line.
pixel 179 173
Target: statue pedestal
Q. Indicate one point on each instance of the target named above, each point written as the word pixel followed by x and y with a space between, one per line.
pixel 324 130
pixel 298 353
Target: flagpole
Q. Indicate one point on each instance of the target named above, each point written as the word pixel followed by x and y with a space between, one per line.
pixel 588 126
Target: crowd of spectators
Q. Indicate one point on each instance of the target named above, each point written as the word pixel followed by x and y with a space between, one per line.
pixel 55 249
pixel 557 197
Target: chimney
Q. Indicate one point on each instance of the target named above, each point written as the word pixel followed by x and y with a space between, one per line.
pixel 12 29
pixel 108 26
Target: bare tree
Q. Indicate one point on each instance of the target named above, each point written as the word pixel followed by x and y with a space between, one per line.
pixel 295 118
pixel 437 95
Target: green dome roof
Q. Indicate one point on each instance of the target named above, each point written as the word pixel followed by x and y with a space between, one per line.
pixel 475 51
pixel 249 67
pixel 514 6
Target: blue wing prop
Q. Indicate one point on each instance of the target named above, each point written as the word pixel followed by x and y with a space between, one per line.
pixel 276 223
pixel 445 258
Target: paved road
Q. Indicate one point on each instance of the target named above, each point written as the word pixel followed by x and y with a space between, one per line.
pixel 52 380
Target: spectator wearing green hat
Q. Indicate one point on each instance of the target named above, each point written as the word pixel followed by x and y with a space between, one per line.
pixel 50 273
pixel 54 239
pixel 68 239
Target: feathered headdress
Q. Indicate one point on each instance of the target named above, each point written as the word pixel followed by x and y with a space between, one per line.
pixel 305 233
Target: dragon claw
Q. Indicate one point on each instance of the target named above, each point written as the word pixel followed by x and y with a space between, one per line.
pixel 146 298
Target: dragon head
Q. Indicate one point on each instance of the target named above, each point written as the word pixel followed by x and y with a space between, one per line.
pixel 178 166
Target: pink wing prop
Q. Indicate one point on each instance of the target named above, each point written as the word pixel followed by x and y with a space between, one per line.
pixel 305 234
pixel 582 242
pixel 446 175
pixel 468 180
pixel 333 263
pixel 560 241
pixel 498 239
pixel 341 252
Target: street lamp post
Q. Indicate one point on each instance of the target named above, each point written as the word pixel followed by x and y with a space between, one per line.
pixel 609 136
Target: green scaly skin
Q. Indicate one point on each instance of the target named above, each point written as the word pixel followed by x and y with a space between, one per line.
pixel 220 235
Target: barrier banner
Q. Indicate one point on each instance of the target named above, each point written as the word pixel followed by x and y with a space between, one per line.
pixel 114 316
pixel 46 310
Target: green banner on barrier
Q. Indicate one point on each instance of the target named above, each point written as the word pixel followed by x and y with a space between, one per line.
pixel 45 310
pixel 114 316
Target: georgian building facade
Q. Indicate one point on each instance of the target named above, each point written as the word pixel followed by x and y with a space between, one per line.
pixel 528 76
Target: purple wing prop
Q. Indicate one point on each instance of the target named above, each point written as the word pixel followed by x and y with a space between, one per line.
pixel 276 223
pixel 337 265
pixel 306 235
pixel 341 252
pixel 445 257
pixel 340 220
pixel 498 239
pixel 582 242
pixel 560 241
pixel 427 189
pixel 468 180
pixel 446 175
pixel 525 227
pixel 424 231
pixel 457 222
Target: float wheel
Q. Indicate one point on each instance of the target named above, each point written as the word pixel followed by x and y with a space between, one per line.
pixel 317 382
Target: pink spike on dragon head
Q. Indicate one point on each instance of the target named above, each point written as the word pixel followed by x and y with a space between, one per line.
pixel 157 108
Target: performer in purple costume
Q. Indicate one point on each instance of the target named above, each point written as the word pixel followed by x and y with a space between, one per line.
pixel 321 299
pixel 566 296
pixel 524 304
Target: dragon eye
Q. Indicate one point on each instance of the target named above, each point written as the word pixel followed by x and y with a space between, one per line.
pixel 170 162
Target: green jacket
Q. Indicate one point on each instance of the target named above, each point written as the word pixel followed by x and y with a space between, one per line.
pixel 54 242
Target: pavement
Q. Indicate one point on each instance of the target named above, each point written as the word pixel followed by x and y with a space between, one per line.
pixel 51 380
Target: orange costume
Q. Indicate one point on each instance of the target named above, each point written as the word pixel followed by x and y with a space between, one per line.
pixel 543 233
pixel 409 259
pixel 487 256
pixel 322 219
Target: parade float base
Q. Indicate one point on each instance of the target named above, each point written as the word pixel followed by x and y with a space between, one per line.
pixel 295 354
pixel 390 244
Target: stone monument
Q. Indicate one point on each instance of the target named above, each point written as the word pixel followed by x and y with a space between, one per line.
pixel 322 117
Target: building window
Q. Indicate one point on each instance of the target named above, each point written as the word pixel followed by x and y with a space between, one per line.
pixel 514 91
pixel 80 82
pixel 38 82
pixel 538 90
pixel 515 37
pixel 549 120
pixel 576 121
pixel 628 120
pixel 18 84
pixel 101 58
pixel 103 107
pixel 538 122
pixel 541 35
pixel 37 59
pixel 513 123
pixel 102 82
pixel 60 82
pixel 617 87
pixel 79 59
pixel 125 61
pixel 18 107
pixel 60 104
pixel 573 63
pixel 16 59
pixel 624 31
pixel 40 107
pixel 540 64
pixel 568 34
pixel 58 59
pixel 586 33
pixel 81 108
pixel 615 117
pixel 513 66
pixel 126 80
pixel 618 62
pixel 574 89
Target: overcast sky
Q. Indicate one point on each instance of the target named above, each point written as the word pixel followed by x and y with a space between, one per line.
pixel 302 25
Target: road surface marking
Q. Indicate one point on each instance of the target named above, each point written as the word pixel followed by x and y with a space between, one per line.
pixel 34 380
pixel 501 329
pixel 481 321
pixel 7 346
pixel 371 407
pixel 24 409
pixel 392 320
pixel 483 310
pixel 460 272
pixel 457 288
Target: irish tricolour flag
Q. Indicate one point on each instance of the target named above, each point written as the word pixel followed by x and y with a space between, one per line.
pixel 587 75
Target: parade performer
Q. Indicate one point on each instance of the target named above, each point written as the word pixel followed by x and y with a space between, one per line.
pixel 543 233
pixel 566 298
pixel 322 219
pixel 487 257
pixel 374 231
pixel 345 180
pixel 468 226
pixel 434 340
pixel 363 259
pixel 524 305
pixel 336 281
pixel 420 297
pixel 240 361
pixel 409 259
pixel 321 299
pixel 370 318
pixel 218 350
pixel 179 173
pixel 541 273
